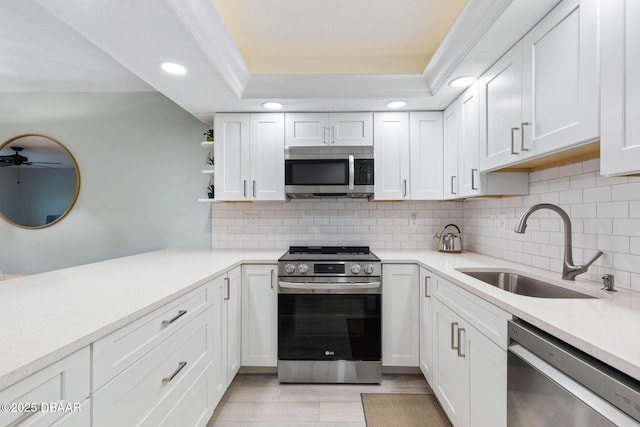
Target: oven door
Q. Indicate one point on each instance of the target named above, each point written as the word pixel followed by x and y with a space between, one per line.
pixel 324 326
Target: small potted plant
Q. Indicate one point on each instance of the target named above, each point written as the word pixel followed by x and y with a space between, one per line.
pixel 211 191
pixel 210 160
pixel 209 135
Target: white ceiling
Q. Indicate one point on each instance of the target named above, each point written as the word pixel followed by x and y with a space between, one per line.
pixel 117 45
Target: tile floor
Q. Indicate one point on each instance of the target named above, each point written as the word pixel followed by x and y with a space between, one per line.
pixel 258 400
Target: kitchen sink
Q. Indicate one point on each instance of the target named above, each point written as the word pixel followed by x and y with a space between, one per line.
pixel 521 284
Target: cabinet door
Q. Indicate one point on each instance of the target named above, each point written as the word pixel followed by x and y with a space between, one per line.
pixel 233 308
pixel 469 148
pixel 620 62
pixel 259 315
pixel 306 129
pixel 425 148
pixel 426 325
pixel 219 338
pixel 561 94
pixel 450 155
pixel 450 371
pixel 232 151
pixel 501 111
pixel 391 154
pixel 400 315
pixel 351 129
pixel 267 156
pixel 487 381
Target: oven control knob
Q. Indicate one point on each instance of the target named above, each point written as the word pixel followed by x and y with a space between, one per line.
pixel 290 268
pixel 368 268
pixel 303 268
pixel 355 268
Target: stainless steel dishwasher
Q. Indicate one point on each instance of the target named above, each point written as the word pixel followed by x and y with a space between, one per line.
pixel 553 384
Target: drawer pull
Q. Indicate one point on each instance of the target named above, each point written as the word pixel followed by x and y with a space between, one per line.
pixel 460 353
pixel 176 372
pixel 454 325
pixel 24 417
pixel 177 316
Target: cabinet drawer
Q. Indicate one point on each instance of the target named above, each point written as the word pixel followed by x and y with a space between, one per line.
pixel 66 381
pixel 490 320
pixel 79 418
pixel 151 386
pixel 119 350
pixel 196 407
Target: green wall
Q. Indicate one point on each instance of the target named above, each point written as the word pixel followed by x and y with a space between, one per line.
pixel 140 160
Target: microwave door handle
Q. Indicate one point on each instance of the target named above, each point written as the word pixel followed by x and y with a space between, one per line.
pixel 352 172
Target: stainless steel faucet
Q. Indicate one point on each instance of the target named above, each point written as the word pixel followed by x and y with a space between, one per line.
pixel 569 270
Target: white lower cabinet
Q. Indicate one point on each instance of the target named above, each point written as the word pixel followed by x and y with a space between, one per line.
pixel 400 315
pixel 232 305
pixel 144 394
pixel 259 315
pixel 469 357
pixel 426 325
pixel 66 382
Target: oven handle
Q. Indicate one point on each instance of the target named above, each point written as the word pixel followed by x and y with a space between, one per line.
pixel 327 285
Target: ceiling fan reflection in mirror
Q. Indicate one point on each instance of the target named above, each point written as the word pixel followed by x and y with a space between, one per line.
pixel 17 159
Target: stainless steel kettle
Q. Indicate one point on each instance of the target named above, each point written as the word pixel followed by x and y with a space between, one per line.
pixel 449 242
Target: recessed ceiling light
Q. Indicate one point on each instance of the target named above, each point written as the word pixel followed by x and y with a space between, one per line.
pixel 396 104
pixel 173 68
pixel 465 81
pixel 272 105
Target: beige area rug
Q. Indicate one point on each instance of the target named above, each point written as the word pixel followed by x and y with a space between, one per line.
pixel 402 410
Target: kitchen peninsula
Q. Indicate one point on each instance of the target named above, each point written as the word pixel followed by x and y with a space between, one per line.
pixel 50 316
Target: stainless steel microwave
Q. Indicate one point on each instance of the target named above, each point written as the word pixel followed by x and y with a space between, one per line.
pixel 348 175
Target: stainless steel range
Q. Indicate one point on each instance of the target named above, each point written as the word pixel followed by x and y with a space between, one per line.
pixel 329 315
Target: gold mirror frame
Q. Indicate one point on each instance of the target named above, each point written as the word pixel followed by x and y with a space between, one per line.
pixel 77 175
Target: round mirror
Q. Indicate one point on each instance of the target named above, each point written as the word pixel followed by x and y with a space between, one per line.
pixel 39 181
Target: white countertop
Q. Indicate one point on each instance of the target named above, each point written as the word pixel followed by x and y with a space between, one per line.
pixel 51 315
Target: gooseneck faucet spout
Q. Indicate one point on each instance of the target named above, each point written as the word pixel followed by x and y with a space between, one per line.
pixel 569 269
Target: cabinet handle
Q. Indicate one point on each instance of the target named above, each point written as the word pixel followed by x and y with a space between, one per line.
pixel 453 177
pixel 522 137
pixel 404 188
pixel 324 134
pixel 228 284
pixel 181 366
pixel 473 179
pixel 254 188
pixel 244 188
pixel 454 325
pixel 25 416
pixel 272 278
pixel 460 353
pixel 427 279
pixel 513 149
pixel 333 134
pixel 173 319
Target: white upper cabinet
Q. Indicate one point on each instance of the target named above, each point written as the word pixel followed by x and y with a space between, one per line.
pixel 391 156
pixel 542 96
pixel 329 129
pixel 561 102
pixel 267 156
pixel 501 110
pixel 469 143
pixel 408 156
pixel 620 67
pixel 249 154
pixel 450 153
pixel 425 150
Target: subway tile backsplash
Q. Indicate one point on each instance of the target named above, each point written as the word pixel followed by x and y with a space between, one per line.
pixel 380 225
pixel 604 211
